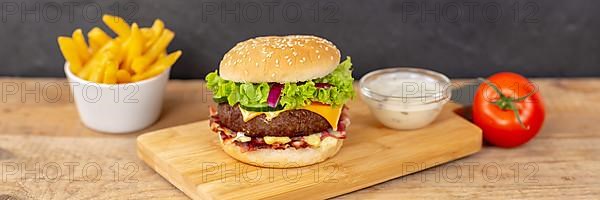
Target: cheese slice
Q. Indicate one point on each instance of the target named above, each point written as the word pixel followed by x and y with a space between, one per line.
pixel 331 114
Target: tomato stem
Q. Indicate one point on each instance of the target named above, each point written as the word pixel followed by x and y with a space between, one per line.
pixel 525 97
pixel 516 111
pixel 492 85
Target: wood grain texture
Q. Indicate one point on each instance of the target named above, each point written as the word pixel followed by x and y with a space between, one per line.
pixel 563 160
pixel 190 157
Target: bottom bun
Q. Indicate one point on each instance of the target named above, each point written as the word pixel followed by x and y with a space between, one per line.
pixel 285 158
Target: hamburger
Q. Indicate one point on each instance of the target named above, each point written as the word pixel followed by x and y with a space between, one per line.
pixel 281 100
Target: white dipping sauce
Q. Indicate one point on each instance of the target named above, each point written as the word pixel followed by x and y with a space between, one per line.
pixel 405 98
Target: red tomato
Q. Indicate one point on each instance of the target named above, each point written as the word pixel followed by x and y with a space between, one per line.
pixel 495 113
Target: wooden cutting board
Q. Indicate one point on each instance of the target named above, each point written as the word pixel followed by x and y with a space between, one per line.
pixel 190 157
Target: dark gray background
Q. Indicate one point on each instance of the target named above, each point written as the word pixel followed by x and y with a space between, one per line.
pixel 456 37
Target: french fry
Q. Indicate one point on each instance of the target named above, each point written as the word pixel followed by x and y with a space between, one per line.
pixel 82 46
pixel 147 33
pixel 97 39
pixel 111 51
pixel 97 74
pixel 90 66
pixel 110 73
pixel 161 44
pixel 108 52
pixel 155 51
pixel 69 51
pixel 86 71
pixel 157 28
pixel 117 25
pixel 140 64
pixel 160 66
pixel 124 41
pixel 135 47
pixel 123 76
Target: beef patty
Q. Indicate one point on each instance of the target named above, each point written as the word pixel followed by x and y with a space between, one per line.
pixel 289 123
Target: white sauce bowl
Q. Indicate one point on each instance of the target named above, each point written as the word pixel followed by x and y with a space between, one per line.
pixel 405 98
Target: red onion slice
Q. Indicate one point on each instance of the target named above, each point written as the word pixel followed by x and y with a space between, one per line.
pixel 323 85
pixel 274 94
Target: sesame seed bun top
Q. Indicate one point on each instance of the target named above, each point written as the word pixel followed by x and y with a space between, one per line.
pixel 281 59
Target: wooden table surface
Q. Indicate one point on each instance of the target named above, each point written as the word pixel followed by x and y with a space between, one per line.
pixel 46 153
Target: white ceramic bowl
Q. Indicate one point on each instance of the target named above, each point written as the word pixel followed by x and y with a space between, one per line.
pixel 118 108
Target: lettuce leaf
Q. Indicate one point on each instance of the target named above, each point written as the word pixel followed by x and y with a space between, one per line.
pixel 293 95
